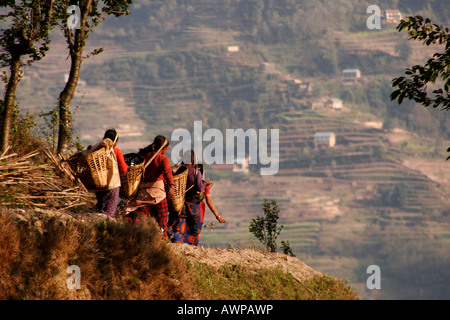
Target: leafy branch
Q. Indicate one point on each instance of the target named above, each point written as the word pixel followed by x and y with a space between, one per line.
pixel 415 85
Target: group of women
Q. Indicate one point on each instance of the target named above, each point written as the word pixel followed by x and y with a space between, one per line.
pixel 155 190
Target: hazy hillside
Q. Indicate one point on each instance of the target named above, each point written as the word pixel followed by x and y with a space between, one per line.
pixel 379 196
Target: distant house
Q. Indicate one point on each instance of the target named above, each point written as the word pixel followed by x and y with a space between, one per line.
pixel 334 103
pixel 305 88
pixel 241 167
pixel 351 75
pixel 324 139
pixel 298 89
pixel 267 67
pixel 393 16
pixel 233 49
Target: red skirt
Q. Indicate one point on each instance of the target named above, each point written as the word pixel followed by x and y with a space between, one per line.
pixel 158 211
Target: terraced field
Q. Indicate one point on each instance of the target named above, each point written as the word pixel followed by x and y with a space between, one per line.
pixel 330 200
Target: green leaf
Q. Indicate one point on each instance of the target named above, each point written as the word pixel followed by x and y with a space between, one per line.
pixel 395 94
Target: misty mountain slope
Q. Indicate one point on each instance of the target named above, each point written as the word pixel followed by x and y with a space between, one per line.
pixel 359 203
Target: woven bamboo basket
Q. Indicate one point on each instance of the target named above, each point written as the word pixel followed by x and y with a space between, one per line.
pixel 91 169
pixel 180 180
pixel 131 179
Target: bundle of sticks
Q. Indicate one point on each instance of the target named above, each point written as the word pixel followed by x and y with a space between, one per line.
pixel 24 182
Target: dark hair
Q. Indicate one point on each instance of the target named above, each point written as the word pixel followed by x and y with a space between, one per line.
pixel 157 143
pixel 192 157
pixel 111 134
pixel 185 158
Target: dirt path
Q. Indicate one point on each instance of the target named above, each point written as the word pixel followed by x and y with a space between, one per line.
pixel 248 258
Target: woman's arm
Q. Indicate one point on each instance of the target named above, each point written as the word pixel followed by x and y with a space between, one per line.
pixel 121 161
pixel 211 206
pixel 168 176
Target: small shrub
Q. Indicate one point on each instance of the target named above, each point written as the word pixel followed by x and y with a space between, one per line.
pixel 265 228
pixel 286 246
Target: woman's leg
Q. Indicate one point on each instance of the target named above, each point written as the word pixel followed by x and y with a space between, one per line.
pixel 194 224
pixel 160 212
pixel 107 201
pixel 134 215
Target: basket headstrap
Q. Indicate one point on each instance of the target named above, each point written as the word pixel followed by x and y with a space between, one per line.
pixel 111 150
pixel 156 153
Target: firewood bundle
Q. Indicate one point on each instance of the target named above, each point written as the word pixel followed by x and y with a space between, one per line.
pixel 25 183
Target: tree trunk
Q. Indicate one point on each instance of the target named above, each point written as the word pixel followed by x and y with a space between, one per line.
pixel 8 105
pixel 65 97
pixel 76 46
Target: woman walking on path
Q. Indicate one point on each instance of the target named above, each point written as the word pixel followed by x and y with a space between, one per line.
pixel 186 227
pixel 107 200
pixel 151 199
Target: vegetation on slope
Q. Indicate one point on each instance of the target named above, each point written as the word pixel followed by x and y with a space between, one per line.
pixel 120 260
pixel 234 282
pixel 117 260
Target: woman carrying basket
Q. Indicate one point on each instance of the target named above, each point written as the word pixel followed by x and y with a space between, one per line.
pixel 185 227
pixel 151 199
pixel 107 200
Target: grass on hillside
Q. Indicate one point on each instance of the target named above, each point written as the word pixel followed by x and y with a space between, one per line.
pixel 234 282
pixel 120 260
pixel 117 260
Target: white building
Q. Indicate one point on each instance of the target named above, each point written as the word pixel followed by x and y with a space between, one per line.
pixel 393 16
pixel 334 103
pixel 327 139
pixel 351 74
